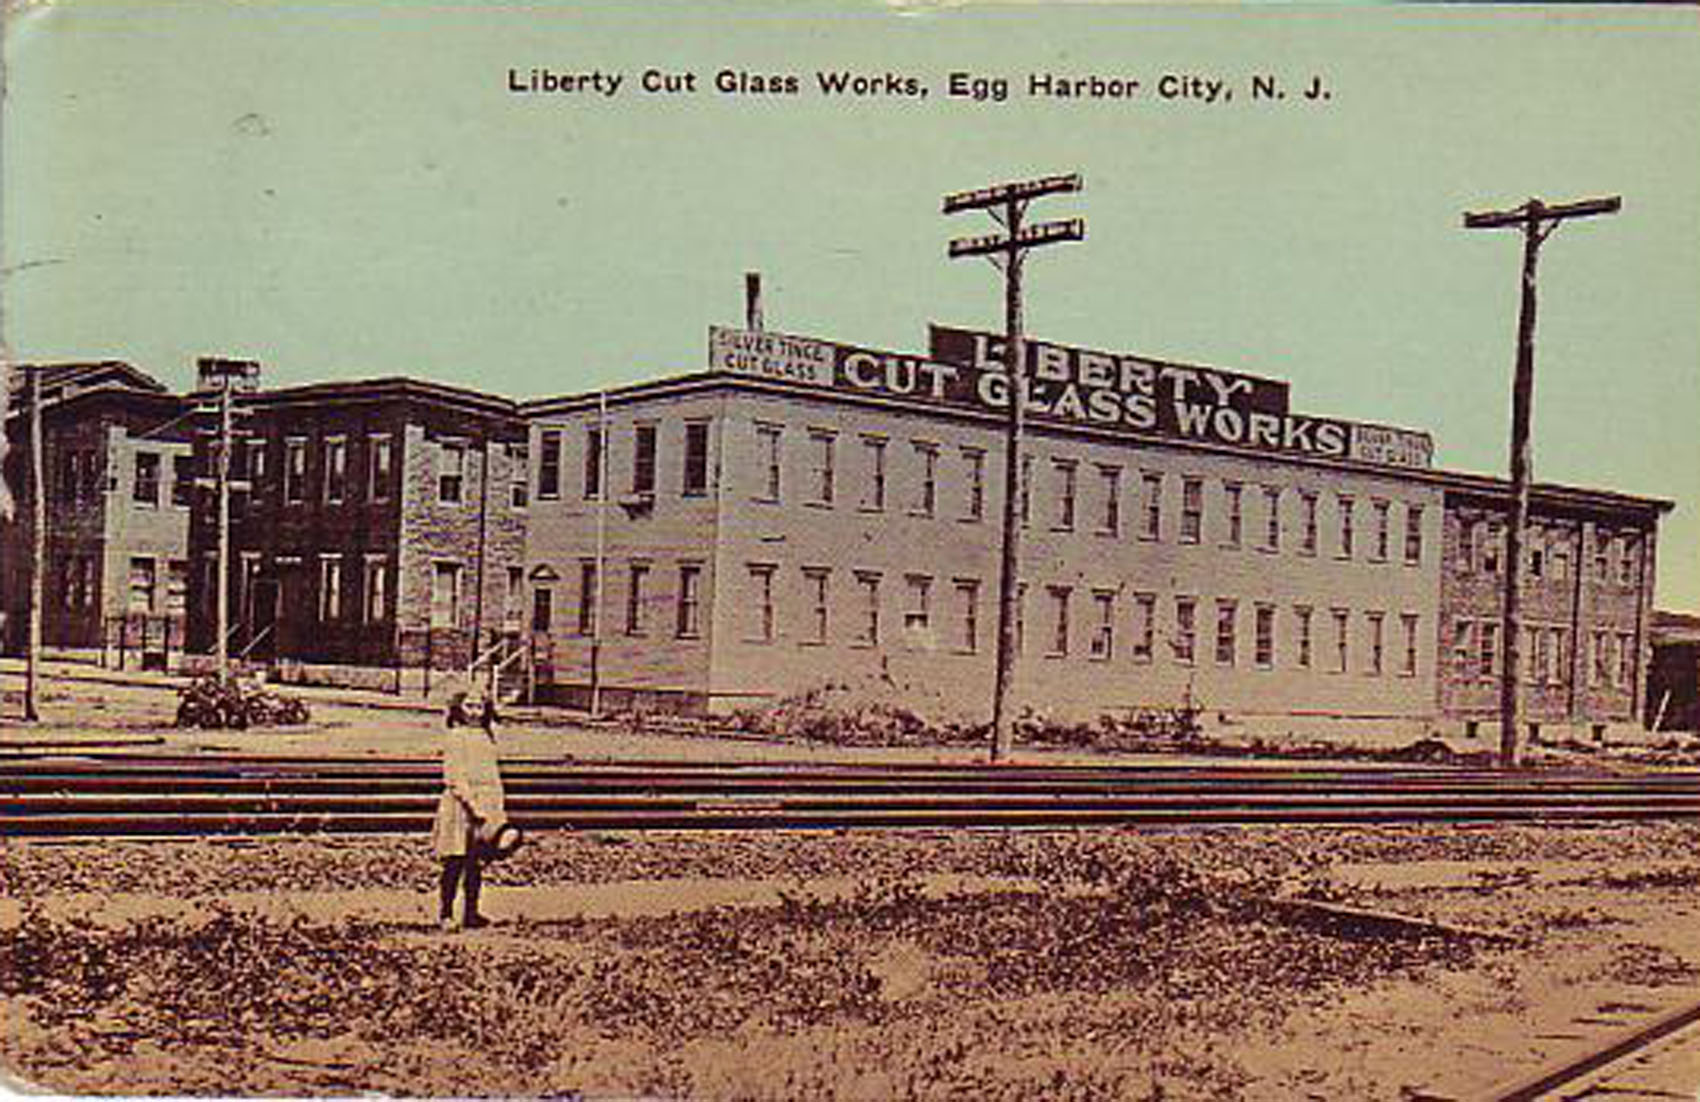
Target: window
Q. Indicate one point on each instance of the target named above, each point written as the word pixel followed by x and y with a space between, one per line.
pixel 643 460
pixel 256 469
pixel 1020 617
pixel 1227 617
pixel 927 493
pixel 1490 548
pixel 330 588
pixel 917 615
pixel 451 471
pixel 1376 621
pixel 1462 655
pixel 761 602
pixel 1560 550
pixel 542 609
pixel 1627 562
pixel 376 590
pixel 1067 477
pixel 143 578
pixel 519 475
pixel 1152 527
pixel 816 580
pixel 445 594
pixel 696 459
pixel 335 469
pixel 1559 671
pixel 1026 488
pixel 593 461
pixel 1104 626
pixel 1144 625
pixel 1342 639
pixel 1409 621
pixel 1469 544
pixel 1601 674
pixel 1535 666
pixel 380 453
pixel 1307 517
pixel 177 587
pixel 1625 660
pixel 1489 650
pixel 146 489
pixel 968 600
pixel 1602 556
pixel 182 480
pixel 975 459
pixel 873 457
pixel 1234 494
pixel 1186 629
pixel 1413 534
pixel 637 574
pixel 1301 621
pixel 868 630
pixel 587 597
pixel 549 465
pixel 1383 512
pixel 1060 595
pixel 1192 509
pixel 821 445
pixel 1263 624
pixel 1111 477
pixel 688 623
pixel 1272 518
pixel 1348 536
pixel 295 470
pixel 1537 553
pixel 768 446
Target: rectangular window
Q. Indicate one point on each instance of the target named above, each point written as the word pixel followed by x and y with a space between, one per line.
pixel 975 459
pixel 762 625
pixel 445 594
pixel 1490 548
pixel 1152 527
pixel 1067 473
pixel 1144 625
pixel 1413 534
pixel 769 448
pixel 295 470
pixel 336 469
pixel 1383 513
pixel 451 472
pixel 549 465
pixel 873 457
pixel 1111 478
pixel 376 590
pixel 637 575
pixel 1026 488
pixel 1301 622
pixel 1192 509
pixel 1060 595
pixel 643 460
pixel 1307 518
pixel 927 492
pixel 542 609
pixel 1272 518
pixel 1348 533
pixel 143 578
pixel 380 462
pixel 816 580
pixel 519 474
pixel 146 488
pixel 330 588
pixel 696 459
pixel 1376 621
pixel 1541 644
pixel 182 480
pixel 917 615
pixel 1561 556
pixel 1227 620
pixel 1602 556
pixel 256 469
pixel 1627 562
pixel 1409 621
pixel 1537 551
pixel 1234 493
pixel 1625 660
pixel 1264 638
pixel 1600 674
pixel 968 600
pixel 587 586
pixel 593 461
pixel 1185 643
pixel 688 624
pixel 1463 656
pixel 1104 625
pixel 177 587
pixel 1342 639
pixel 821 446
pixel 1020 617
pixel 868 630
pixel 1490 650
pixel 1560 656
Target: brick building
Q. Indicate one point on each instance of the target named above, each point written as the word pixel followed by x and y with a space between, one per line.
pixel 379 523
pixel 118 492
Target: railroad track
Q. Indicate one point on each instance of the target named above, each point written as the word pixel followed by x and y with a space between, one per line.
pixel 119 794
pixel 1658 1058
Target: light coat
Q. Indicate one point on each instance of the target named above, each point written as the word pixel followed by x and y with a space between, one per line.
pixel 473 799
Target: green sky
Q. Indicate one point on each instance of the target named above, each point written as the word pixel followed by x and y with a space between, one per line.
pixel 346 190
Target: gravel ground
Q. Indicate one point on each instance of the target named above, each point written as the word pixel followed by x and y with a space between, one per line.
pixel 871 965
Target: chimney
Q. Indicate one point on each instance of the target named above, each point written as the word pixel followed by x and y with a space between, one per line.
pixel 752 301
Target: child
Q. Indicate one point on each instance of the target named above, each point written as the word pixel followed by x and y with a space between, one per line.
pixel 472 804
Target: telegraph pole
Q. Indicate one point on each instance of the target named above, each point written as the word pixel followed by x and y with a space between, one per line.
pixel 222 474
pixel 1537 221
pixel 1007 203
pixel 38 544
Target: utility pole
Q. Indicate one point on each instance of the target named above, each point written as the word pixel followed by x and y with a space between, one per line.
pixel 1537 221
pixel 1007 203
pixel 38 543
pixel 222 474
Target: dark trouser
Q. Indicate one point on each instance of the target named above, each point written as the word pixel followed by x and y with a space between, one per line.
pixel 456 872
